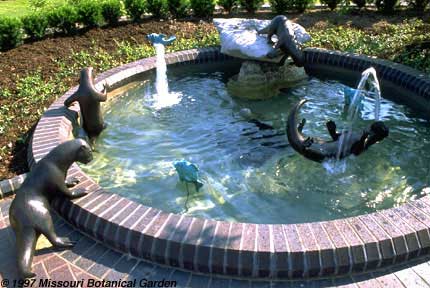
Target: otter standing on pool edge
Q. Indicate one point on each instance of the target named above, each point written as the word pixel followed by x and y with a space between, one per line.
pixel 29 212
pixel 89 102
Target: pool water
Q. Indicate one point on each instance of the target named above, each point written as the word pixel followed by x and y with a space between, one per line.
pixel 251 174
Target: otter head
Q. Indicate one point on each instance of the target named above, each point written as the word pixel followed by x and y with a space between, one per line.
pixel 377 132
pixel 84 153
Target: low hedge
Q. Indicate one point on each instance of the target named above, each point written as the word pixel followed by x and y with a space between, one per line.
pixel 91 13
pixel 10 33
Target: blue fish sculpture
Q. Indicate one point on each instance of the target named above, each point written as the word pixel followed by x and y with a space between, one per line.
pixel 155 38
pixel 188 172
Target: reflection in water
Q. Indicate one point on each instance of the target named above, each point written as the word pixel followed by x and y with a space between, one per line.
pixel 252 175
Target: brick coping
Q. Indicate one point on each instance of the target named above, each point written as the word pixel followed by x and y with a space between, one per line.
pixel 279 251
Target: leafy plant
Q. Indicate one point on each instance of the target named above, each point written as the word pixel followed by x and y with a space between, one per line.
pixel 35 25
pixel 158 8
pixel 360 3
pixel 203 8
pixel 279 6
pixel 10 33
pixel 386 6
pixel 251 6
pixel 178 8
pixel 37 5
pixel 135 8
pixel 228 5
pixel 111 11
pixel 418 5
pixel 89 13
pixel 63 18
pixel 300 5
pixel 332 4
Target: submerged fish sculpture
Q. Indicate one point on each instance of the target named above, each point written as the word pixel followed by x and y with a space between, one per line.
pixel 155 38
pixel 188 172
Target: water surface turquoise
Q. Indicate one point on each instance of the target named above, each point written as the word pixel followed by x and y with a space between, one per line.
pixel 250 174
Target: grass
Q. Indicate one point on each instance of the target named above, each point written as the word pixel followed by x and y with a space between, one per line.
pixel 18 8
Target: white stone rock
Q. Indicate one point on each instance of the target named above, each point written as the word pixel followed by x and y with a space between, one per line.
pixel 239 38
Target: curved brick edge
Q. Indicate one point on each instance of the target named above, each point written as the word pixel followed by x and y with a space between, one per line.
pixel 8 186
pixel 238 249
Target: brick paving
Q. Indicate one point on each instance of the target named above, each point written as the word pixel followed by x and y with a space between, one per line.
pixel 93 260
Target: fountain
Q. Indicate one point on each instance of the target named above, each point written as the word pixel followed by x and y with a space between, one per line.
pixel 162 98
pixel 368 86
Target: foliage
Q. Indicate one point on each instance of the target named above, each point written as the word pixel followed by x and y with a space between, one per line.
pixel 279 6
pixel 300 5
pixel 386 6
pixel 332 4
pixel 35 25
pixel 360 3
pixel 10 33
pixel 418 5
pixel 228 5
pixel 37 5
pixel 63 18
pixel 178 8
pixel 251 6
pixel 135 8
pixel 387 42
pixel 89 13
pixel 203 8
pixel 111 11
pixel 158 8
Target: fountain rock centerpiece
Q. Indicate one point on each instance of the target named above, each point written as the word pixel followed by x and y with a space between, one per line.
pixel 267 68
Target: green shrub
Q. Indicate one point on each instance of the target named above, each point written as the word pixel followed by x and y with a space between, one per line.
pixel 158 8
pixel 111 11
pixel 360 3
pixel 418 5
pixel 227 5
pixel 63 18
pixel 135 8
pixel 203 8
pixel 10 33
pixel 300 5
pixel 35 25
pixel 332 4
pixel 386 6
pixel 279 6
pixel 89 13
pixel 251 6
pixel 178 8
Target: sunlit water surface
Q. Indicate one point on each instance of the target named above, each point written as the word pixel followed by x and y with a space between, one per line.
pixel 252 175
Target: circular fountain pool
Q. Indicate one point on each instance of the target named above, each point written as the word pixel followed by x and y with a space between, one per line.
pixel 321 248
pixel 250 173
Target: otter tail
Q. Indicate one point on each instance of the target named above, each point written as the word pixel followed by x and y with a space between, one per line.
pixel 295 137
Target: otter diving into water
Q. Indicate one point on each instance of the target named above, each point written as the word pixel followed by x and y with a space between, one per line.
pixel 318 150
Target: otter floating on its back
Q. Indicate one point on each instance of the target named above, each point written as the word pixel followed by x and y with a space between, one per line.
pixel 318 149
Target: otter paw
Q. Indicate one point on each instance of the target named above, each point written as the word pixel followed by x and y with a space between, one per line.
pixel 64 243
pixel 72 181
pixel 28 274
pixel 79 193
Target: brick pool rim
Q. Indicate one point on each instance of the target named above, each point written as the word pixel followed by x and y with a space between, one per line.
pixel 281 251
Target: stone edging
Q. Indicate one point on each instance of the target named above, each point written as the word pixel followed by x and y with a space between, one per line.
pixel 239 249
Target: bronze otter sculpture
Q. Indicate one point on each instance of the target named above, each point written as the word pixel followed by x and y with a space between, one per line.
pixel 89 102
pixel 318 149
pixel 286 40
pixel 29 212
